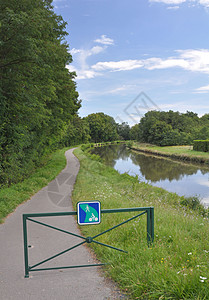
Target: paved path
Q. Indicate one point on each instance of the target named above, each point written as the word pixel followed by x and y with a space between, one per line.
pixel 71 284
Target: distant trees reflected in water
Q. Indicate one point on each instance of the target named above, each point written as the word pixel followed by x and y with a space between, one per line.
pixel 152 168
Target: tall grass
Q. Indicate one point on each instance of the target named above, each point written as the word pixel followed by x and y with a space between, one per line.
pixel 176 266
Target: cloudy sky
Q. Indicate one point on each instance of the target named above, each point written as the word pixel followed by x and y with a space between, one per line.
pixel 132 56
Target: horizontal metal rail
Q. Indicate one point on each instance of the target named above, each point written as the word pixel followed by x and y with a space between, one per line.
pixel 29 217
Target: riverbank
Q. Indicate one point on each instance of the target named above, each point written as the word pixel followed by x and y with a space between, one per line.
pixel 176 266
pixel 185 153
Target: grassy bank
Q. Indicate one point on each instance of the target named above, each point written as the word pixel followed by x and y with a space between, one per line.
pixel 11 197
pixel 176 266
pixel 185 153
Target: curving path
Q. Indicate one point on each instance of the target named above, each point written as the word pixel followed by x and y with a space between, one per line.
pixel 70 284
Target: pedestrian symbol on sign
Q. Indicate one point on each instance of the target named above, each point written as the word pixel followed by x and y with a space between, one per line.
pixel 88 213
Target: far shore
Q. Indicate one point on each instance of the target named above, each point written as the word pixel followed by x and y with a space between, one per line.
pixel 185 153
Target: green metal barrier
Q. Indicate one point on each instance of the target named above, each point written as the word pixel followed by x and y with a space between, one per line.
pixel 30 217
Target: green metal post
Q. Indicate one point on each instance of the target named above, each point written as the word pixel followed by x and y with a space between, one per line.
pixel 25 246
pixel 150 225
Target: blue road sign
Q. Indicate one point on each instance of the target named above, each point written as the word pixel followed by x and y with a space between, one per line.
pixel 89 213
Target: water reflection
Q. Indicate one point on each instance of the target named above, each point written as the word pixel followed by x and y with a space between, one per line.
pixel 174 176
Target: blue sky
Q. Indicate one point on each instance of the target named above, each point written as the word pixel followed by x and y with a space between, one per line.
pixel 132 56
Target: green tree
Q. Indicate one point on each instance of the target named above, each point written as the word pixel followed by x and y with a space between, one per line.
pixel 171 128
pixel 147 122
pixel 158 131
pixel 103 128
pixel 123 131
pixel 77 132
pixel 38 93
pixel 202 133
pixel 136 132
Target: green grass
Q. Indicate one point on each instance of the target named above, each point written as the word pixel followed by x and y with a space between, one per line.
pixel 11 197
pixel 179 152
pixel 176 266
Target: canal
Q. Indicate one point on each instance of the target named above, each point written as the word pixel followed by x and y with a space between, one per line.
pixel 185 179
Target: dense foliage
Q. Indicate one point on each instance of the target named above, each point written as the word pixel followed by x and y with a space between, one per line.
pixel 171 128
pixel 123 131
pixel 201 145
pixel 103 128
pixel 38 96
pixel 77 132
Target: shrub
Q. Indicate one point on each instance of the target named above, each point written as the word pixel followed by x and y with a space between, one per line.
pixel 201 145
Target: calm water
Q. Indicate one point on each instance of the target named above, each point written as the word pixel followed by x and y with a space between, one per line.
pixel 174 176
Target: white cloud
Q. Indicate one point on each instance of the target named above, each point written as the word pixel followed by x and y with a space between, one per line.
pixel 196 60
pixel 95 50
pixel 83 73
pixel 158 63
pixel 86 74
pixel 75 51
pixel 104 40
pixel 190 60
pixel 123 65
pixel 88 52
pixel 204 3
pixel 202 90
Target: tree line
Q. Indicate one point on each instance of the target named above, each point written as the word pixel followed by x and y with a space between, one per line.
pixel 95 128
pixel 156 127
pixel 171 128
pixel 38 97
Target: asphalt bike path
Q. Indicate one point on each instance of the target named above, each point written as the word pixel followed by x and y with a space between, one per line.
pixel 71 284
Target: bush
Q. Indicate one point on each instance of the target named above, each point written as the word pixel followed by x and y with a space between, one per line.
pixel 201 145
pixel 85 147
pixel 194 204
